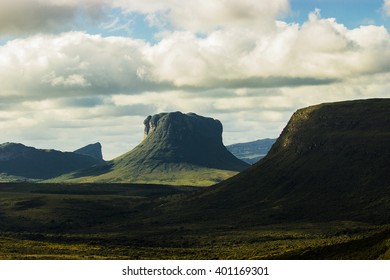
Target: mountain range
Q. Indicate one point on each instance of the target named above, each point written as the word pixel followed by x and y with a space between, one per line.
pixel 251 152
pixel 20 163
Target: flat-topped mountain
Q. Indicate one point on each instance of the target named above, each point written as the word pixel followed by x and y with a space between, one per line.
pixel 331 162
pixel 177 149
pixel 31 163
pixel 186 138
pixel 92 150
pixel 251 152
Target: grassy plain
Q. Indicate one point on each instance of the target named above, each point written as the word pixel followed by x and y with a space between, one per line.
pixel 180 175
pixel 116 221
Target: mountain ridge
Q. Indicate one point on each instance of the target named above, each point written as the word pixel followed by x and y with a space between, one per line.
pixel 330 162
pixel 251 152
pixel 24 162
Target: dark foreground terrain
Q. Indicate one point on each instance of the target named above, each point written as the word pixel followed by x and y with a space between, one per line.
pixel 40 221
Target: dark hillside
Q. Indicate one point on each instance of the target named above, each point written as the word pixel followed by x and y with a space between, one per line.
pixel 19 160
pixel 332 161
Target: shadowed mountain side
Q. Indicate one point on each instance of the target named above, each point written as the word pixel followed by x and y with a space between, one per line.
pixel 331 162
pixel 177 149
pixel 92 150
pixel 28 162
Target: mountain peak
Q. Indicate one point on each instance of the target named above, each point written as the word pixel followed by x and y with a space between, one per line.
pixel 92 150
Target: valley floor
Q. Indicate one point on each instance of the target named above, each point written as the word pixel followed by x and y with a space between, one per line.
pixel 114 222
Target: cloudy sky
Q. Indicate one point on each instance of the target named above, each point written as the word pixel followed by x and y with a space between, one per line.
pixel 77 72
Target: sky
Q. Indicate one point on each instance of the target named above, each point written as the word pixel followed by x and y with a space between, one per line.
pixel 79 72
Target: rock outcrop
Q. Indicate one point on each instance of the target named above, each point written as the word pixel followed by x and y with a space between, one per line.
pixel 92 150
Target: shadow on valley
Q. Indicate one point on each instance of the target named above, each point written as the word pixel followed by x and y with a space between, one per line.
pixel 114 221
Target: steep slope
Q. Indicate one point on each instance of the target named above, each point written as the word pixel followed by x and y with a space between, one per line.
pixel 92 150
pixel 331 162
pixel 27 162
pixel 251 152
pixel 177 149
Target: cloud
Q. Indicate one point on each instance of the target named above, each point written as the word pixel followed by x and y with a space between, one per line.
pixel 319 51
pixel 247 69
pixel 386 7
pixel 73 64
pixel 203 16
pixel 243 45
pixel 38 16
pixel 31 16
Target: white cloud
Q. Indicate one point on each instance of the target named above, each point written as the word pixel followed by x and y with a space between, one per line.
pixel 203 16
pixel 74 63
pixel 73 80
pixel 386 7
pixel 243 49
pixel 26 16
pixel 247 69
pixel 30 16
pixel 320 49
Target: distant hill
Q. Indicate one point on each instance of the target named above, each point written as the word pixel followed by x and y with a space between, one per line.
pixel 92 150
pixel 251 152
pixel 178 149
pixel 19 162
pixel 331 162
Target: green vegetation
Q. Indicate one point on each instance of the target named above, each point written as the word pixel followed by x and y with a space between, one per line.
pixel 180 174
pixel 48 221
